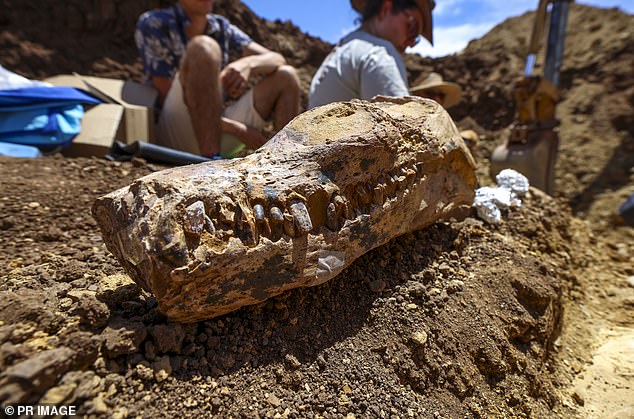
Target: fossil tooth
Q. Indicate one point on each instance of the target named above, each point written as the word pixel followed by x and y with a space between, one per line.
pixel 399 183
pixel 378 195
pixel 419 170
pixel 390 186
pixel 332 217
pixel 210 225
pixel 340 204
pixel 258 211
pixel 410 177
pixel 289 225
pixel 343 209
pixel 194 222
pixel 246 230
pixel 276 215
pixel 302 217
pixel 317 169
pixel 265 228
pixel 276 224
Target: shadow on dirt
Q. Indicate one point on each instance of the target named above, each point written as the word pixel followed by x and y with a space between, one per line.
pixel 614 175
pixel 291 329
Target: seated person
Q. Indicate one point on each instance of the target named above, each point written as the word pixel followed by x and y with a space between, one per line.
pixel 447 94
pixel 185 52
pixel 368 61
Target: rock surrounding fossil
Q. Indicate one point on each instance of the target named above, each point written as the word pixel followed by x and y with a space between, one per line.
pixel 336 182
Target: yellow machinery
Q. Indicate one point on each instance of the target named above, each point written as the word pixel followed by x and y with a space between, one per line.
pixel 532 146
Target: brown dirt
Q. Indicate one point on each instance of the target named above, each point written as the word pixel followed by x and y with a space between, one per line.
pixel 532 318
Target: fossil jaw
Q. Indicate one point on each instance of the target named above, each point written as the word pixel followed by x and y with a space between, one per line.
pixel 333 184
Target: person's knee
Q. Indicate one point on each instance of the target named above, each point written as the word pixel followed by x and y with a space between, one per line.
pixel 201 52
pixel 287 77
pixel 203 48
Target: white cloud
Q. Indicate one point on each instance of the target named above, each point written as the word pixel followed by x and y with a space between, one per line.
pixel 502 9
pixel 448 7
pixel 451 39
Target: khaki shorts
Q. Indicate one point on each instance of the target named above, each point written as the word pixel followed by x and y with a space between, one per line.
pixel 175 129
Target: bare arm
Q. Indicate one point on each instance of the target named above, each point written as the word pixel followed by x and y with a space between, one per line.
pixel 251 137
pixel 260 59
pixel 256 60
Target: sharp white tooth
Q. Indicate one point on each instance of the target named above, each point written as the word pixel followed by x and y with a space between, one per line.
pixel 301 216
pixel 258 211
pixel 276 215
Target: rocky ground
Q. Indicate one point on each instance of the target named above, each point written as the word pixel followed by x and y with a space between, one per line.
pixel 531 318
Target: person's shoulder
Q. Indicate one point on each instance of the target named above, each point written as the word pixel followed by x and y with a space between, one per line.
pixel 365 45
pixel 219 20
pixel 220 24
pixel 156 17
pixel 363 38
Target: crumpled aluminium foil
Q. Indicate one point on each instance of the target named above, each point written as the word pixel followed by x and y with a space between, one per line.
pixel 490 200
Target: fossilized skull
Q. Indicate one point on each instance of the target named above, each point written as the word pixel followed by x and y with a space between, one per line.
pixel 336 182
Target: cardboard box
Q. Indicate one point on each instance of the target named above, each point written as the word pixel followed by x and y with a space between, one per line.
pixel 100 126
pixel 136 121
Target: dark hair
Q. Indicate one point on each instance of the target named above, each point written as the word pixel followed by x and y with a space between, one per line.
pixel 373 7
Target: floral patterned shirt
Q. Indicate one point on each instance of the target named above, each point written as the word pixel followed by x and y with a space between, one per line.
pixel 161 39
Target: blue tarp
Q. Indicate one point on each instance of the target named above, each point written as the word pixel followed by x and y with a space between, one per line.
pixel 42 116
pixel 19 150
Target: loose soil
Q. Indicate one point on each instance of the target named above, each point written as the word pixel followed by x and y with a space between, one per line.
pixel 529 318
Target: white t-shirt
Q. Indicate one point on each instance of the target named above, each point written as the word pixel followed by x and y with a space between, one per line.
pixel 361 66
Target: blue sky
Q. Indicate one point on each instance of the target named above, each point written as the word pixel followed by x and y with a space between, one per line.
pixel 456 22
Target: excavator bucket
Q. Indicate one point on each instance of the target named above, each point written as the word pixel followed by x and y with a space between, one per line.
pixel 534 158
pixel 534 142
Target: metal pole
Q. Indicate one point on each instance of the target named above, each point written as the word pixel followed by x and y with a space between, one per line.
pixel 556 40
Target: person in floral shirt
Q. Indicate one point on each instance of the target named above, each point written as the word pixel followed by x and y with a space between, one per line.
pixel 211 106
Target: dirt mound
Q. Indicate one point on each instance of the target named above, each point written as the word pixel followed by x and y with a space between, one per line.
pixel 460 320
pixel 445 313
pixel 97 38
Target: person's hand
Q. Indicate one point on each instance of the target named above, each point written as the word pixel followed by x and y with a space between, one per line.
pixel 251 137
pixel 234 78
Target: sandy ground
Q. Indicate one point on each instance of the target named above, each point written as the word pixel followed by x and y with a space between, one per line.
pixel 532 318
